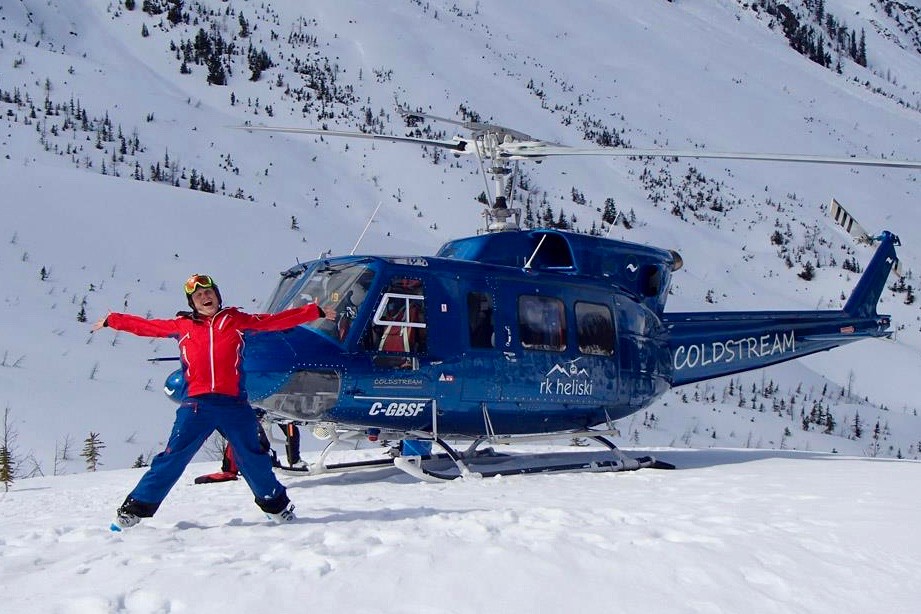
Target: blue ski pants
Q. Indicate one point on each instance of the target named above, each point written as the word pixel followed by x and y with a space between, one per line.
pixel 196 418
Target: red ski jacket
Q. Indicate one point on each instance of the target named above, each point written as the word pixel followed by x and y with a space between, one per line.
pixel 212 348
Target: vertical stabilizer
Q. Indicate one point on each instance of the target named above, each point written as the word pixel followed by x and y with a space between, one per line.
pixel 862 302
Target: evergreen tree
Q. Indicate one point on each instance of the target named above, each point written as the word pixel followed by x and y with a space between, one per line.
pixel 829 424
pixel 216 73
pixel 610 211
pixel 174 14
pixel 808 271
pixel 259 61
pixel 7 457
pixel 201 47
pixel 862 49
pixel 152 7
pixel 92 446
pixel 528 216
pixel 6 468
pixel 561 222
pixel 857 426
pixel 874 446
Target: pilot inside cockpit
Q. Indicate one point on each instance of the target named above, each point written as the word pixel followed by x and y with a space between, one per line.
pixel 339 290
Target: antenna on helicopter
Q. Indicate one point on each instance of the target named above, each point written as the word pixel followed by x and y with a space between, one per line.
pixel 368 225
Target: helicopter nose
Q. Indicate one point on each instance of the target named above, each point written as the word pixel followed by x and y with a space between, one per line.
pixel 283 375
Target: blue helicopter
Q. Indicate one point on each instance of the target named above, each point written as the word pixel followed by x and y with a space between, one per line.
pixel 515 335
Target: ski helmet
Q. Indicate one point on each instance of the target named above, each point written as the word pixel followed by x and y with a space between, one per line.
pixel 197 281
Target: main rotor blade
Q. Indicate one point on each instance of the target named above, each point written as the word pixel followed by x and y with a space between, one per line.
pixel 536 149
pixel 532 150
pixel 458 145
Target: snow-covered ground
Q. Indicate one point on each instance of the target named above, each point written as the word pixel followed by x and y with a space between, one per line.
pixel 730 531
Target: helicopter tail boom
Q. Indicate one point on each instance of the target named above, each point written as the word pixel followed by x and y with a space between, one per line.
pixel 704 345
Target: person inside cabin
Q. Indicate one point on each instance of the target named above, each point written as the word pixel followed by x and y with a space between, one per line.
pixel 397 337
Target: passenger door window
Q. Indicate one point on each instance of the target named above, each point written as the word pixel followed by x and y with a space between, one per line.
pixel 480 320
pixel 542 323
pixel 595 329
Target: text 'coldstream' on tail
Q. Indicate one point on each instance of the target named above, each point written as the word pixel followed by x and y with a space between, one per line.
pixel 704 345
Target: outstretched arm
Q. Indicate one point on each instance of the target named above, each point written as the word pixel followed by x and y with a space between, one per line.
pixel 138 325
pixel 282 320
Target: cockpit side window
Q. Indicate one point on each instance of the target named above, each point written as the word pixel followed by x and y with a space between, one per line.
pixel 280 296
pixel 339 289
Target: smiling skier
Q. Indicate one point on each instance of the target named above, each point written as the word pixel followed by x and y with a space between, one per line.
pixel 211 349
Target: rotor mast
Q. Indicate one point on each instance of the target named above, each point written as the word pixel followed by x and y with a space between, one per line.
pixel 489 142
pixel 499 217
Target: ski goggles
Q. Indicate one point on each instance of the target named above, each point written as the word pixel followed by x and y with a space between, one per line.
pixel 198 281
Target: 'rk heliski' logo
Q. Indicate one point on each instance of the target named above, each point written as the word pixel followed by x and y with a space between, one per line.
pixel 567 379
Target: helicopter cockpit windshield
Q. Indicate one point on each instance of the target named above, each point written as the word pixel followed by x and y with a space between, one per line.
pixel 339 289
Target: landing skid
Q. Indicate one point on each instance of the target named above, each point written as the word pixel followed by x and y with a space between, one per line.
pixel 473 465
pixel 319 469
pixel 476 463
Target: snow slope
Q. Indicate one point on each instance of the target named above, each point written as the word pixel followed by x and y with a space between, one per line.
pixel 718 75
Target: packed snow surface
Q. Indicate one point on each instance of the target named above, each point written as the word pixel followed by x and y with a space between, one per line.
pixel 728 531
